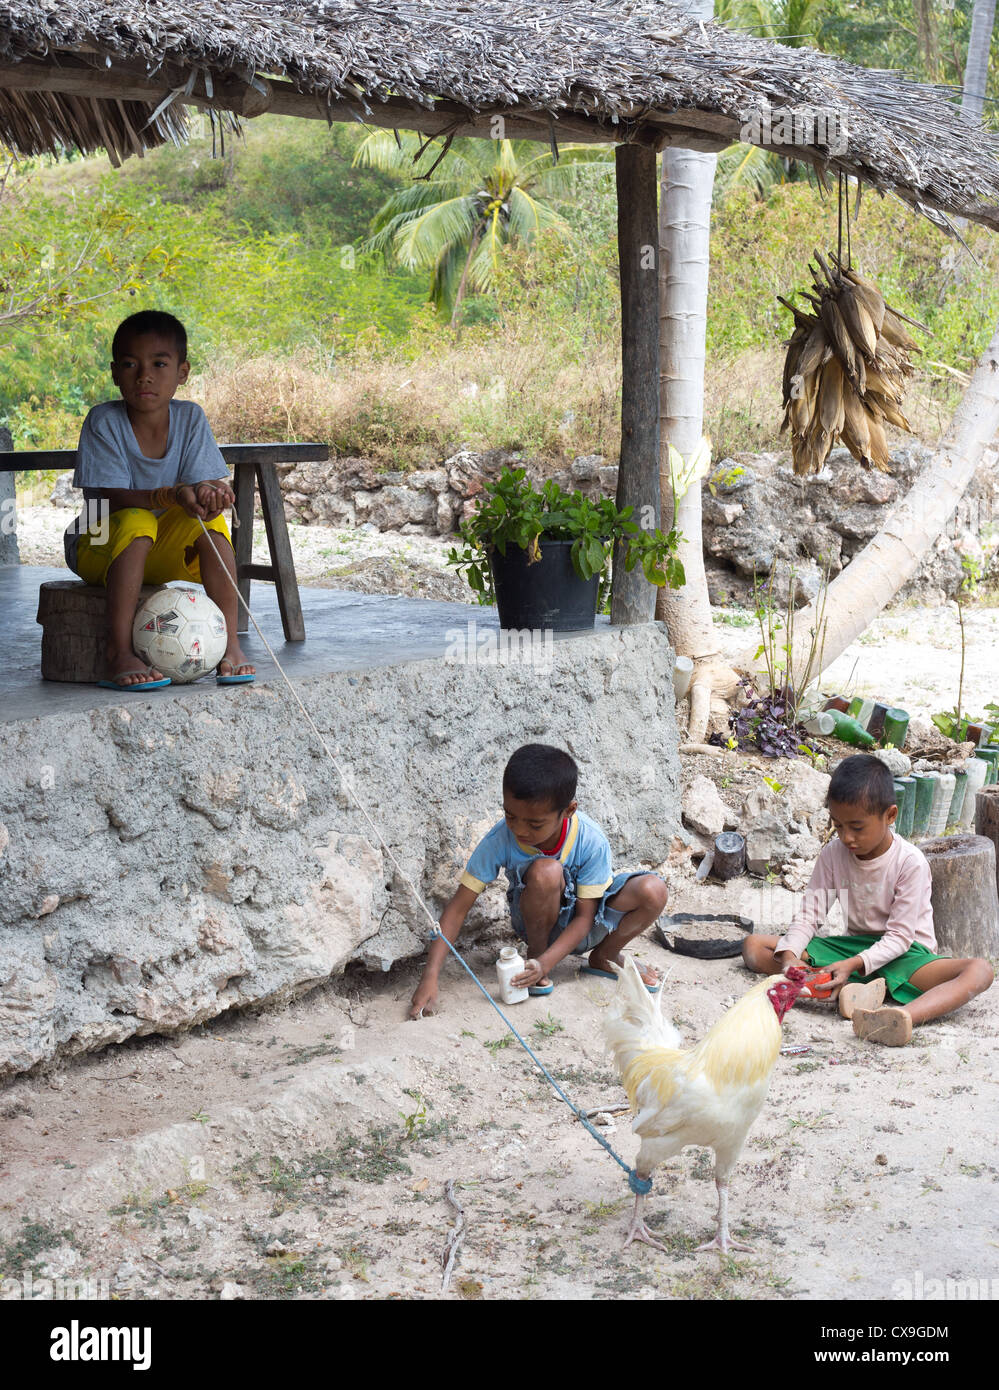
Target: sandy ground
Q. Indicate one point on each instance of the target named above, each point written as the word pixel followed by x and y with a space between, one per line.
pixel 304 1151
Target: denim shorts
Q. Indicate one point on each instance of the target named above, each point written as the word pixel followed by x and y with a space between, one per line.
pixel 606 920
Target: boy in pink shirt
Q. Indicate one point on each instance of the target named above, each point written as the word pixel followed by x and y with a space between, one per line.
pixel 883 884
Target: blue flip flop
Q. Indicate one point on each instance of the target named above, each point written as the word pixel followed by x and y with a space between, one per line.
pixel 137 685
pixel 608 975
pixel 248 679
pixel 535 990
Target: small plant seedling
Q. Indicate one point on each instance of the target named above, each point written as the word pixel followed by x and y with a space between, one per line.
pixel 776 787
pixel 497 1044
pixel 548 1027
pixel 417 1118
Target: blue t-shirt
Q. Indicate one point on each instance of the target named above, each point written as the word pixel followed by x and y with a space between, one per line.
pixel 108 456
pixel 585 855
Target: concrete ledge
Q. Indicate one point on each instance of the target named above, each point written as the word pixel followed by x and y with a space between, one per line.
pixel 161 863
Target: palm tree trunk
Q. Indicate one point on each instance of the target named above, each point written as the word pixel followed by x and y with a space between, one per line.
pixel 460 295
pixel 874 577
pixel 684 258
pixel 976 69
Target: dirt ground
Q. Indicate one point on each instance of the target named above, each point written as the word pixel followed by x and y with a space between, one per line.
pixel 304 1151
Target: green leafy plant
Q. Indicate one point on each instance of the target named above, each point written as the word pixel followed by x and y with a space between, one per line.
pixel 512 511
pixel 417 1118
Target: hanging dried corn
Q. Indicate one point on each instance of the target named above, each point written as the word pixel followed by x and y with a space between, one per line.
pixel 846 364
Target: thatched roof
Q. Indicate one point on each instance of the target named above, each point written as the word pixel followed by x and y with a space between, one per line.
pixel 635 70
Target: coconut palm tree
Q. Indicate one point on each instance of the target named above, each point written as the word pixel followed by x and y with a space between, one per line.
pixel 797 24
pixel 454 220
pixel 976 71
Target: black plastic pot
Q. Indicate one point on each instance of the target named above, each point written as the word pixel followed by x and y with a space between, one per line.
pixel 546 595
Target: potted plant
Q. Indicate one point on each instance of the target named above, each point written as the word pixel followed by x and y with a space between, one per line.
pixel 543 555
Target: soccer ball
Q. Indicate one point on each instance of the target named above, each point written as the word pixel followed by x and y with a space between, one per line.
pixel 181 632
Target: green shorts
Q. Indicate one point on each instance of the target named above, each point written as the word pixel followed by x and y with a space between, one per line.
pixel 824 950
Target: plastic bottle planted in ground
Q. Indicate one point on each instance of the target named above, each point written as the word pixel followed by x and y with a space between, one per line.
pixel 957 800
pixel 907 813
pixel 925 782
pixel 896 727
pixel 943 795
pixel 977 772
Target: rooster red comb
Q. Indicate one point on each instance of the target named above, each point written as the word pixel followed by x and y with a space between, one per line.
pixel 784 993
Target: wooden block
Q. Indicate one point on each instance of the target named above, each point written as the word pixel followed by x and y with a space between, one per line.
pixel 73 616
pixel 965 902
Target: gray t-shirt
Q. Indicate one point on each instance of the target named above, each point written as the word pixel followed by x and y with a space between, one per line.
pixel 108 456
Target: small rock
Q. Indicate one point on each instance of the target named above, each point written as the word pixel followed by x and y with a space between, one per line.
pixel 704 810
pixel 333 1264
pixel 230 1292
pixel 768 845
pixel 881 1158
pixel 896 762
pixel 276 1248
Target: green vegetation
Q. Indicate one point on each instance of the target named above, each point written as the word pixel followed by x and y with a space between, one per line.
pixel 299 332
pixel 22 1255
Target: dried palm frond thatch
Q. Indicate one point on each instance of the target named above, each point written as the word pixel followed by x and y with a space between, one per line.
pixel 576 69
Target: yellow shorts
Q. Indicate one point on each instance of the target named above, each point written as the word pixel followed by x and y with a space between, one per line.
pixel 172 534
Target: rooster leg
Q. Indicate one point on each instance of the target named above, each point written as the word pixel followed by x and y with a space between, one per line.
pixel 638 1229
pixel 723 1240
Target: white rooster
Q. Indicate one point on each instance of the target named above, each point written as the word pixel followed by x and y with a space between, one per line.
pixel 709 1094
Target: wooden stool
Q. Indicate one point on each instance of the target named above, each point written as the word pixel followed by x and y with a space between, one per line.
pixel 253 470
pixel 73 617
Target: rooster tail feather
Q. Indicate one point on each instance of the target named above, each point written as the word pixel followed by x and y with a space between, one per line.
pixel 635 1019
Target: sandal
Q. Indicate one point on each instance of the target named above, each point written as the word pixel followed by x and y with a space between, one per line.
pixel 246 679
pixel 114 682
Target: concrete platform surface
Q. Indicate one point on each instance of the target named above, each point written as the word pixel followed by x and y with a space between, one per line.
pixel 344 632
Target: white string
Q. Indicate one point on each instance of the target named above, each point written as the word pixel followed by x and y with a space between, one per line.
pixel 344 779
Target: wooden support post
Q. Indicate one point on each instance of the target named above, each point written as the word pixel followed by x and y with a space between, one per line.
pixel 9 554
pixel 965 904
pixel 633 598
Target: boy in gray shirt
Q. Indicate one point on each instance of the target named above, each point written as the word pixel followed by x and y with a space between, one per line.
pixel 149 469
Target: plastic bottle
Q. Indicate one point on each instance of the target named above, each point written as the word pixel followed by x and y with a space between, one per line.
pixel 876 724
pixel 850 731
pixel 861 710
pixel 977 773
pixel 510 963
pixel 943 795
pixel 925 784
pixel 683 669
pixel 957 800
pixel 990 756
pixel 906 813
pixel 896 727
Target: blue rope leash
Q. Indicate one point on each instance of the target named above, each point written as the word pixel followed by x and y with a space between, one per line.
pixel 640 1186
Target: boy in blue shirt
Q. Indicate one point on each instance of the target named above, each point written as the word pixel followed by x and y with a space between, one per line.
pixel 564 897
pixel 149 469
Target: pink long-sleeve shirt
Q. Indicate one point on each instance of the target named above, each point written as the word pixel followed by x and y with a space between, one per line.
pixel 887 897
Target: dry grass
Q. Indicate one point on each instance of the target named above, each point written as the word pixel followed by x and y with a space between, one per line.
pixel 485 392
pixel 490 392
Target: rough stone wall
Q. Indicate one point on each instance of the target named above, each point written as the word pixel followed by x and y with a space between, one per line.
pixel 160 864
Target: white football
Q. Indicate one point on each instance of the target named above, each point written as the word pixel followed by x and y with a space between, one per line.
pixel 181 632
